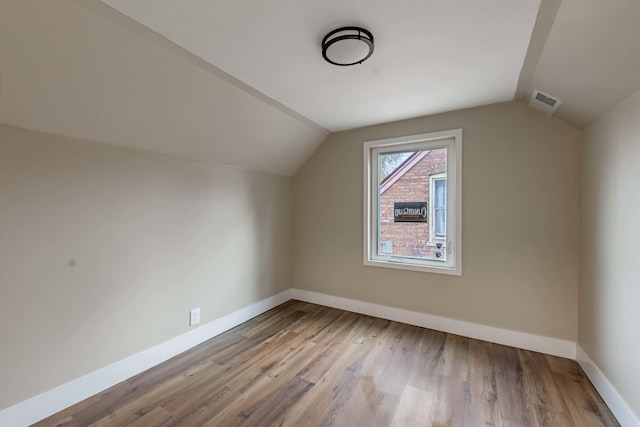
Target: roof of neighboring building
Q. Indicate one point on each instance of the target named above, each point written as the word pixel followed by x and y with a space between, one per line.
pixel 402 169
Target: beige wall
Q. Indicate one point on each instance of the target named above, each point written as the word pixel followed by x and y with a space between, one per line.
pixel 610 250
pixel 521 172
pixel 105 249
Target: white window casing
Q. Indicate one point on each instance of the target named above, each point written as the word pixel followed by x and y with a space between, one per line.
pixel 372 256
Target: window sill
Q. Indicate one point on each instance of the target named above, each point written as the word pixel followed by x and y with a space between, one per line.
pixel 399 265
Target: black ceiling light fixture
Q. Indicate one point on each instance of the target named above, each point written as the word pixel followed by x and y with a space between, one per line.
pixel 347 46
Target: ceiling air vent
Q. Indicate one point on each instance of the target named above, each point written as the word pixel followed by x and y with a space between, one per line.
pixel 543 102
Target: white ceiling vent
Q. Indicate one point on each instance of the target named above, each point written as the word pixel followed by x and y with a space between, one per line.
pixel 543 102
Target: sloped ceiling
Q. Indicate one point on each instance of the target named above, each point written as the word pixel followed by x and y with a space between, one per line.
pixel 81 69
pixel 591 59
pixel 430 56
pixel 243 83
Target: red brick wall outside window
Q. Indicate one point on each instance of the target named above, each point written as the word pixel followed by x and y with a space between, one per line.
pixel 411 238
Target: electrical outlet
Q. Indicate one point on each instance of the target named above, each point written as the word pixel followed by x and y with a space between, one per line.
pixel 194 316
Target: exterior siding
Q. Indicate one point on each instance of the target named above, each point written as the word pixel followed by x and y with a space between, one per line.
pixel 411 238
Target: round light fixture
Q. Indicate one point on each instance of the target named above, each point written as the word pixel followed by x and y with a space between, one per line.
pixel 347 46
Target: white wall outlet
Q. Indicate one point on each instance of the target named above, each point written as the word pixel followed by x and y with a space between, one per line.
pixel 194 317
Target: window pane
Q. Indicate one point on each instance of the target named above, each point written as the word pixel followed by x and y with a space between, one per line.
pixel 439 207
pixel 440 197
pixel 440 219
pixel 404 200
pixel 389 162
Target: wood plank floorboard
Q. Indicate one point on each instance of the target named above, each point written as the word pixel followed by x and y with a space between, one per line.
pixel 306 365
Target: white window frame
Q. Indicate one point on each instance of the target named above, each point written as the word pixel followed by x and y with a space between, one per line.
pixel 432 206
pixel 452 140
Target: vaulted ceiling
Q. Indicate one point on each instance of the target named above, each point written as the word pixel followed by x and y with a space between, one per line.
pixel 430 56
pixel 243 83
pixel 591 58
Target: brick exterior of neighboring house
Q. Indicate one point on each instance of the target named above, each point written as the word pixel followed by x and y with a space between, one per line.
pixel 409 182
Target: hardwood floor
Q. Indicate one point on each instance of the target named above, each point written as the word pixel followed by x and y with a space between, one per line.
pixel 307 365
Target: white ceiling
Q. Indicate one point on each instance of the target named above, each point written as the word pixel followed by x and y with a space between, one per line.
pixel 591 59
pixel 430 55
pixel 243 83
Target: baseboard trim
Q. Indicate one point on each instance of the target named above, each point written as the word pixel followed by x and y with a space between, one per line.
pixel 50 402
pixel 542 344
pixel 610 395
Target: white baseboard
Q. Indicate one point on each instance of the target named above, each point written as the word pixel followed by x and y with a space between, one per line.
pixel 59 398
pixel 609 394
pixel 542 344
pixel 50 402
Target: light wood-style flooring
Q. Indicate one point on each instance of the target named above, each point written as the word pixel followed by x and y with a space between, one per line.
pixel 305 365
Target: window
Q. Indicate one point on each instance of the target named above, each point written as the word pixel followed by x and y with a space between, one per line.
pixel 438 210
pixel 412 203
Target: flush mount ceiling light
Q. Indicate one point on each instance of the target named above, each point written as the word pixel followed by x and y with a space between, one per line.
pixel 347 46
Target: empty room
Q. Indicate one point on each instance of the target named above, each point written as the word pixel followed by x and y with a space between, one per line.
pixel 319 213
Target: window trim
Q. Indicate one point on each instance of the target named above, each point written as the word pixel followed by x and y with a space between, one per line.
pixel 454 198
